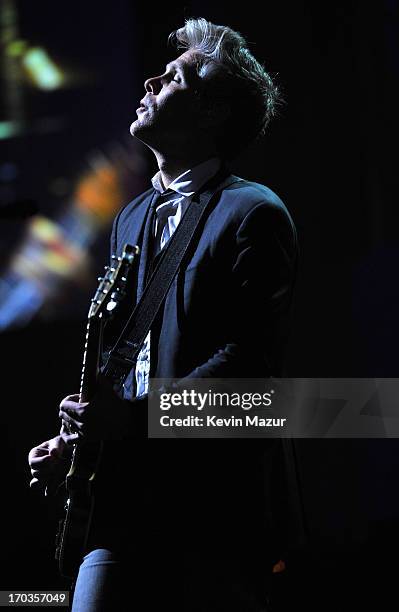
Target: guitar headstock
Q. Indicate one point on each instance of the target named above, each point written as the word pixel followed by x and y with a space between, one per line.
pixel 112 285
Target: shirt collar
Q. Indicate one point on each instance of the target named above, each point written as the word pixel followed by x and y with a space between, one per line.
pixel 191 180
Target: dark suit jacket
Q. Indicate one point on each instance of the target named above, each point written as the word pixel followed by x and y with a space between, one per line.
pixel 226 315
pixel 227 312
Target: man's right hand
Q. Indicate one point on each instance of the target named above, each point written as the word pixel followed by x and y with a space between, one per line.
pixel 49 462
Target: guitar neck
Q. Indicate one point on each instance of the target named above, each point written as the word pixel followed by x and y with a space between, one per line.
pixel 91 359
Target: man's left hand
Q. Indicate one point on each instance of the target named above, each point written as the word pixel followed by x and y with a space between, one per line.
pixel 105 417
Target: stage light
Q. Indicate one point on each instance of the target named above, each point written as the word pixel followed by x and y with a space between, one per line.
pixel 8 129
pixel 41 69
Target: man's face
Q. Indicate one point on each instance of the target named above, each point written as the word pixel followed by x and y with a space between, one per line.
pixel 170 111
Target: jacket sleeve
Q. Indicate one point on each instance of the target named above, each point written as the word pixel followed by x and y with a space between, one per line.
pixel 263 275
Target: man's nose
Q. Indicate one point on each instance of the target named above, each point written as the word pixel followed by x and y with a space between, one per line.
pixel 153 85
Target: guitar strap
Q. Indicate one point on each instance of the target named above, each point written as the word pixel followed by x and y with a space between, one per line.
pixel 123 355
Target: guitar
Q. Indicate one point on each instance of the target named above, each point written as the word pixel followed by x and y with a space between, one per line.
pixel 74 527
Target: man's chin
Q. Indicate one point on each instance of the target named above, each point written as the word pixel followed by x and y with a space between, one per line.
pixel 135 127
pixel 139 130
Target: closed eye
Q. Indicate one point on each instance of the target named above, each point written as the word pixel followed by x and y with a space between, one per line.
pixel 174 73
pixel 168 79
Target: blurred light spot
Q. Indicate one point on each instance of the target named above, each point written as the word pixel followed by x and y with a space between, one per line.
pixel 279 567
pixel 41 69
pixel 16 48
pixel 9 129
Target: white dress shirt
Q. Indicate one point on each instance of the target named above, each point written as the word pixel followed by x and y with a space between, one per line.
pixel 184 186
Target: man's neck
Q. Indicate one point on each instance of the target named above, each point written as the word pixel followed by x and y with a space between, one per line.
pixel 171 168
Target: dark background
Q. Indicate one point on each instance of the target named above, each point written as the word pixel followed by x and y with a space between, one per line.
pixel 332 158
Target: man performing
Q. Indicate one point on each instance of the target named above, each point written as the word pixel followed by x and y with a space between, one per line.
pixel 187 523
